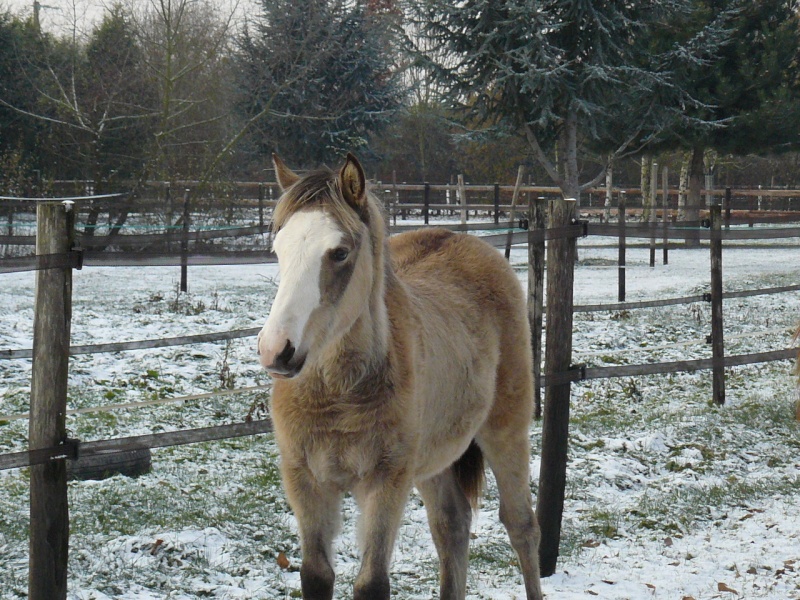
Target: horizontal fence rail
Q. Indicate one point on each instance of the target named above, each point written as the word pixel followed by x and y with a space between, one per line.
pixel 142 403
pixel 584 373
pixel 72 449
pixel 142 344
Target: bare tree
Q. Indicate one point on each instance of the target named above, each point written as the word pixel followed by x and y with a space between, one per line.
pixel 186 56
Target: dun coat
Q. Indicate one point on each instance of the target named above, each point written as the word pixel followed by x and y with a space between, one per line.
pixel 397 362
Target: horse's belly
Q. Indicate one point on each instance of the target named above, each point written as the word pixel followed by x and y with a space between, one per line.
pixel 449 423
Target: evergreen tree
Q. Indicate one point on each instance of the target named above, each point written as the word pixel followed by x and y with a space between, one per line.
pixel 565 74
pixel 317 77
pixel 20 45
pixel 751 91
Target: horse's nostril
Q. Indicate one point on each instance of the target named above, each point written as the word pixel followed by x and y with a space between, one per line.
pixel 286 354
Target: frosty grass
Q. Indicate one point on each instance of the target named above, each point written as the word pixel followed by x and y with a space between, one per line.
pixel 667 496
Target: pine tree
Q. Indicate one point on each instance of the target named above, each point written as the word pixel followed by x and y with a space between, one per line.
pixel 318 77
pixel 565 74
pixel 750 92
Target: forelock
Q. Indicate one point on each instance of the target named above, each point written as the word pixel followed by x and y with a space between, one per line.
pixel 319 188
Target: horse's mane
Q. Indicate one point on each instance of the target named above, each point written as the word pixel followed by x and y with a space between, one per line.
pixel 316 188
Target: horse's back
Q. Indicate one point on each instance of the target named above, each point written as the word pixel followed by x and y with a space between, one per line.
pixel 460 268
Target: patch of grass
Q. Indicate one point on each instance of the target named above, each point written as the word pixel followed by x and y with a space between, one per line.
pixel 603 523
pixel 681 507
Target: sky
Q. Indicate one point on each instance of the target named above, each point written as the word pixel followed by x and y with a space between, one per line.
pixel 59 16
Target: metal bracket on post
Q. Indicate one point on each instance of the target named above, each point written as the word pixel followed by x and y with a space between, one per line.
pixel 580 368
pixel 584 225
pixel 76 257
pixel 73 446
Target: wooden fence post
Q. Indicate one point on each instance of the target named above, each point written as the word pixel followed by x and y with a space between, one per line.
pixel 260 204
pixel 49 509
pixel 496 203
pixel 653 206
pixel 665 215
pixel 512 215
pixel 726 207
pixel 185 243
pixel 168 201
pixel 717 342
pixel 536 224
pixel 621 255
pixel 462 195
pixel 426 200
pixel 561 254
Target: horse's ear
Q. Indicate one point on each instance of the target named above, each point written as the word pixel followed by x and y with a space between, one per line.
pixel 285 176
pixel 353 183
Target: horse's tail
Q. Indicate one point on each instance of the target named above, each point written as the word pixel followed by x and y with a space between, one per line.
pixel 469 473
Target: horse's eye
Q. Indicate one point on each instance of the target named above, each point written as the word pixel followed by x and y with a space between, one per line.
pixel 339 254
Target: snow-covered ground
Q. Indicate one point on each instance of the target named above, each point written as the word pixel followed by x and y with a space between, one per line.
pixel 667 496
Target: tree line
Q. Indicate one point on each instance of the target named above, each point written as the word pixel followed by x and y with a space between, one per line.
pixel 420 89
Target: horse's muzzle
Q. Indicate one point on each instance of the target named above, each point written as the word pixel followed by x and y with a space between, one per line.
pixel 286 364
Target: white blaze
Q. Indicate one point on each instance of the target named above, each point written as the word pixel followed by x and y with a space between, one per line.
pixel 301 246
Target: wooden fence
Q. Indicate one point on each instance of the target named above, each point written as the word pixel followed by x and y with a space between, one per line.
pixel 57 254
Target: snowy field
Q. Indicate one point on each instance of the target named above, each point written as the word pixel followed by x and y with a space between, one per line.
pixel 667 496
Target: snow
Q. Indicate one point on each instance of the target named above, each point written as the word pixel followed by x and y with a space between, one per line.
pixel 667 496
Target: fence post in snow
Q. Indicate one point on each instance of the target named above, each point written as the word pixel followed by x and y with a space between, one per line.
pixel 49 508
pixel 512 216
pixel 426 202
pixel 260 204
pixel 536 224
pixel 621 255
pixel 496 203
pixel 561 255
pixel 653 206
pixel 717 342
pixel 185 242
pixel 462 197
pixel 665 214
pixel 726 207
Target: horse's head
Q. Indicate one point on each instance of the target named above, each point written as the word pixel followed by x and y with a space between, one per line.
pixel 325 261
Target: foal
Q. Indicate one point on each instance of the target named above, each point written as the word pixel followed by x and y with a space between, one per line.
pixel 395 363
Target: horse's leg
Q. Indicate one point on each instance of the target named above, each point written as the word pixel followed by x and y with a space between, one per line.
pixel 318 513
pixel 449 517
pixel 381 499
pixel 508 454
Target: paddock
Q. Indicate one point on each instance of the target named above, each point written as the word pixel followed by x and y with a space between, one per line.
pixel 616 456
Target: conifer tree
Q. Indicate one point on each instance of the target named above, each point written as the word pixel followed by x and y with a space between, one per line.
pixel 750 92
pixel 565 74
pixel 318 77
